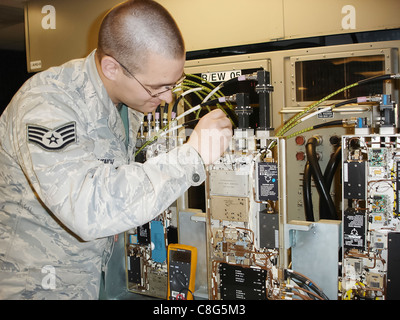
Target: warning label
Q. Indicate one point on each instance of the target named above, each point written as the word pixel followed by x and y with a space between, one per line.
pixel 354 229
pixel 267 181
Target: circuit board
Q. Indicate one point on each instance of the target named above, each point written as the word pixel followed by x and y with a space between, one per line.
pixel 243 198
pixel 370 216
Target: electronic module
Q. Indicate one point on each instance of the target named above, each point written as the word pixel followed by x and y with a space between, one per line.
pixel 306 210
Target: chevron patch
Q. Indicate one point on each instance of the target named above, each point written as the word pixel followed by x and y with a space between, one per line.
pixel 52 139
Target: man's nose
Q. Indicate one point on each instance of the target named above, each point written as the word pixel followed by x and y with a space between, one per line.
pixel 166 96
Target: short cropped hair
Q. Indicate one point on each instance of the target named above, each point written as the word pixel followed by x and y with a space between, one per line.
pixel 133 29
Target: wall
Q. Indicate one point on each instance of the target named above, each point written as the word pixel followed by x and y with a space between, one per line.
pixel 57 30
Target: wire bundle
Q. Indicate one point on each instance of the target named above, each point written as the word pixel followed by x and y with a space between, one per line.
pixel 208 93
pixel 305 114
pixel 303 287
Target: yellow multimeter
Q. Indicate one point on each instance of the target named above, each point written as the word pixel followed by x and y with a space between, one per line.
pixel 182 261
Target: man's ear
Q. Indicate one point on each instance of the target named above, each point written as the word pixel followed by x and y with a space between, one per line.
pixel 110 67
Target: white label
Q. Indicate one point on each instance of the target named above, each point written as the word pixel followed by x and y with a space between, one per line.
pixel 36 64
pixel 221 76
pixel 325 114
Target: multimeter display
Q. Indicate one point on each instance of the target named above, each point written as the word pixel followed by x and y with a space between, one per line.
pixel 182 262
pixel 180 256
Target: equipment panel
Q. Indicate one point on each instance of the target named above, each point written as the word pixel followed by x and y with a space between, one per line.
pixel 370 216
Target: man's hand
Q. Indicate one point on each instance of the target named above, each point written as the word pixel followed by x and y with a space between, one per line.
pixel 211 136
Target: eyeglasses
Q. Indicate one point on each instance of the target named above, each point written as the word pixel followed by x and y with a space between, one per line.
pixel 153 95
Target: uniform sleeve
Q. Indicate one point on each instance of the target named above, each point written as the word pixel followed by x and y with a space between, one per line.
pixel 92 198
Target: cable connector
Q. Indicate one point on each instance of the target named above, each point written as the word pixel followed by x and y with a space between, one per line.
pixel 223 99
pixel 349 122
pixel 375 98
pixel 395 76
pixel 251 76
pixel 231 98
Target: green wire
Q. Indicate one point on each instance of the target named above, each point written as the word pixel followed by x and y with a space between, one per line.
pixel 155 137
pixel 200 94
pixel 218 93
pixel 299 132
pixel 292 122
pixel 186 84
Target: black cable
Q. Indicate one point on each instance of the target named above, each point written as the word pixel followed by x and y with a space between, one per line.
pixel 328 124
pixel 229 82
pixel 165 111
pixel 302 285
pixel 329 173
pixel 376 78
pixel 307 195
pixel 174 110
pixel 187 291
pixel 319 179
pixel 158 109
pixel 328 177
pixel 343 103
pixel 308 283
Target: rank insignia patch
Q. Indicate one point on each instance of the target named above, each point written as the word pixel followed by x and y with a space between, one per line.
pixel 52 139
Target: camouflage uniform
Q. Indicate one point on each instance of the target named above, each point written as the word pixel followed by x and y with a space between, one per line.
pixel 68 183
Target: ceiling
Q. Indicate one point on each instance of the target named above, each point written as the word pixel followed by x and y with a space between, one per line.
pixel 12 30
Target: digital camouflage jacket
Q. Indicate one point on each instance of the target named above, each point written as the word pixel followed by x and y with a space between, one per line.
pixel 68 183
